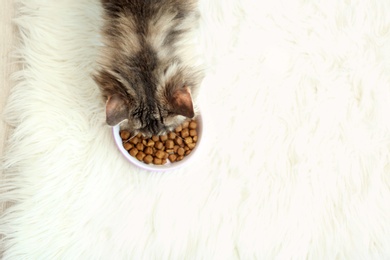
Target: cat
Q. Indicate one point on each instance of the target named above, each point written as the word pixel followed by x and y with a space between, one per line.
pixel 148 72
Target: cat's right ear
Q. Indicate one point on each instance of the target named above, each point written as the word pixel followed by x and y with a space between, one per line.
pixel 181 101
pixel 116 110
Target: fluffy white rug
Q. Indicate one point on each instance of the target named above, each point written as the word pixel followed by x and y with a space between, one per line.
pixel 298 161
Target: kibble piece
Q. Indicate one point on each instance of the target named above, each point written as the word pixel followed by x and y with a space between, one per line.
pixel 125 135
pixel 144 142
pixel 188 140
pixel 157 161
pixel 166 155
pixel 163 138
pixel 175 148
pixel 193 132
pixel 164 161
pixel 150 143
pixel 133 152
pixel 160 154
pixel 185 124
pixel 159 145
pixel 186 148
pixel 155 138
pixel 193 125
pixel 172 157
pixel 148 150
pixel 139 135
pixel 179 158
pixel 178 140
pixel 140 155
pixel 127 146
pixel 169 144
pixel 180 151
pixel 191 146
pixel 172 135
pixel 140 146
pixel 178 129
pixel 185 133
pixel 195 138
pixel 169 151
pixel 148 159
pixel 134 140
pixel 188 152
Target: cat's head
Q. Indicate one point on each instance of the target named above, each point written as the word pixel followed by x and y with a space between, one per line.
pixel 151 103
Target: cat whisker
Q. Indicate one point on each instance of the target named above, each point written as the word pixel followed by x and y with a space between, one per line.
pixel 133 134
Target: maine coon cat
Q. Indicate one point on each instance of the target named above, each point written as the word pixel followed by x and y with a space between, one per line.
pixel 149 73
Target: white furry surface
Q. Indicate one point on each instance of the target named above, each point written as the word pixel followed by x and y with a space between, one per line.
pixel 297 97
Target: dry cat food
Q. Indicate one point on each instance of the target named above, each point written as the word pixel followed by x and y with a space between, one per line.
pixel 173 146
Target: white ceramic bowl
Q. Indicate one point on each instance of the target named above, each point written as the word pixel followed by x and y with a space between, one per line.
pixel 168 166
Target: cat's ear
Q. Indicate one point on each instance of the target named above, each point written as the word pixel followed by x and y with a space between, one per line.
pixel 116 110
pixel 181 101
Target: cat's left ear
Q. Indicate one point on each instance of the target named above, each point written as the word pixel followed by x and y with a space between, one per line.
pixel 116 110
pixel 181 101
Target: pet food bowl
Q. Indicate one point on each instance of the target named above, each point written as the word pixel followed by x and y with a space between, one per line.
pixel 168 166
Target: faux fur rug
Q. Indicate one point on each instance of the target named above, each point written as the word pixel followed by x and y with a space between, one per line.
pixel 297 97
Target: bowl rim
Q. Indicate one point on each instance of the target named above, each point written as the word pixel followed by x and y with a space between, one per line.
pixel 166 167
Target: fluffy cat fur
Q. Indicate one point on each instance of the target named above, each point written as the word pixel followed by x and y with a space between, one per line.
pixel 149 72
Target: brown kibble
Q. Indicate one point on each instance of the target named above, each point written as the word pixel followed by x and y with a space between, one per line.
pixel 169 151
pixel 148 159
pixel 150 143
pixel 172 157
pixel 163 138
pixel 175 148
pixel 140 155
pixel 134 140
pixel 195 138
pixel 159 145
pixel 148 150
pixel 133 152
pixel 125 135
pixel 164 161
pixel 191 146
pixel 193 132
pixel 188 140
pixel 178 129
pixel 193 125
pixel 144 142
pixel 180 151
pixel 172 135
pixel 185 124
pixel 127 146
pixel 188 152
pixel 157 161
pixel 140 146
pixel 139 135
pixel 185 133
pixel 169 144
pixel 179 158
pixel 155 138
pixel 178 140
pixel 186 148
pixel 160 154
